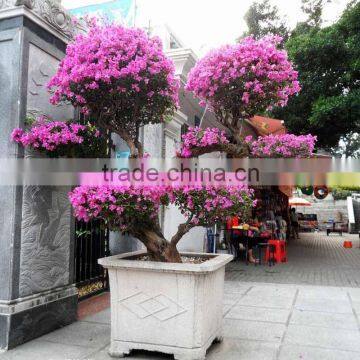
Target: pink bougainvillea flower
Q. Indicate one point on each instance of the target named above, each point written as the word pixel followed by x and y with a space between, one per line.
pixel 245 78
pixel 283 146
pixel 197 137
pixel 127 206
pixel 119 62
pixel 54 136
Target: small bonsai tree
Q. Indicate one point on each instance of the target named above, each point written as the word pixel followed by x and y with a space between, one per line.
pixel 61 139
pixel 122 77
pixel 237 82
pixel 135 209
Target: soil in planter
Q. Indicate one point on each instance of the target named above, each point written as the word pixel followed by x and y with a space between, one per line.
pixel 184 259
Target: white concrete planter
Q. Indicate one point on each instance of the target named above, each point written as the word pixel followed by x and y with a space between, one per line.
pixel 170 308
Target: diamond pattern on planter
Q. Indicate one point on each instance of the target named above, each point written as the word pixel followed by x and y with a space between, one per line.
pixel 159 306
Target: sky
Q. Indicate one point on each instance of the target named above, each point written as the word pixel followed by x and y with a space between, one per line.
pixel 206 24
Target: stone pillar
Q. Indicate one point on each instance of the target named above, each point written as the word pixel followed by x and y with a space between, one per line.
pixel 37 294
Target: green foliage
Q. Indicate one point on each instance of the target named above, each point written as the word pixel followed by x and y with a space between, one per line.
pixel 350 188
pixel 80 233
pixel 263 19
pixel 29 120
pixel 328 61
pixel 341 193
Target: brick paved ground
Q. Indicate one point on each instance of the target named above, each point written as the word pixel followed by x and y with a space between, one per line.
pixel 315 259
pixel 261 322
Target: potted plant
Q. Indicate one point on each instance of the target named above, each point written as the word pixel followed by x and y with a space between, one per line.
pixel 162 300
pixel 159 289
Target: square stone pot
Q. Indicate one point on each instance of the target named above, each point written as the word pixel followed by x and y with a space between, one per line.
pixel 171 308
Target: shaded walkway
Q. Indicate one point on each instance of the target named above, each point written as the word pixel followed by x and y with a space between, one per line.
pixel 314 259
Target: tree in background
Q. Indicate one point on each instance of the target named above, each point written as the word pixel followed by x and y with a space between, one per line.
pixel 262 19
pixel 349 146
pixel 328 62
pixel 314 10
pixel 343 192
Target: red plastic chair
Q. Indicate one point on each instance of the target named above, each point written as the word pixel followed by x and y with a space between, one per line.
pixel 280 251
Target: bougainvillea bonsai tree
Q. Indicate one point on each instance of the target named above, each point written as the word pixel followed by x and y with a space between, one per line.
pixel 122 77
pixel 124 80
pixel 135 209
pixel 237 82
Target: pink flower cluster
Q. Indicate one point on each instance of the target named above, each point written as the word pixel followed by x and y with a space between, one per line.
pixel 249 74
pixel 284 146
pixel 206 205
pixel 120 206
pixel 197 137
pixel 126 206
pixel 49 136
pixel 117 59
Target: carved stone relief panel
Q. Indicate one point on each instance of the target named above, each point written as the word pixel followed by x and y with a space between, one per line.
pixel 45 233
pixel 42 66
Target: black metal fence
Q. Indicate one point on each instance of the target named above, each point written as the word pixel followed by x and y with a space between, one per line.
pixel 91 244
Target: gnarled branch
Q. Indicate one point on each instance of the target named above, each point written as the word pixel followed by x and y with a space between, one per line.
pixel 233 150
pixel 182 230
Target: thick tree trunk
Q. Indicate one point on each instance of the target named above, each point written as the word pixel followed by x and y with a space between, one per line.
pixel 158 248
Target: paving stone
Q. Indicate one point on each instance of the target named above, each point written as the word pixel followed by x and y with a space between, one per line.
pixel 273 291
pixel 253 330
pixel 258 314
pixel 322 319
pixel 293 352
pixel 356 307
pixel 231 349
pixel 102 317
pixel 267 301
pixel 236 287
pixel 231 298
pixel 354 294
pixel 45 350
pixel 332 293
pixel 226 309
pixel 323 337
pixel 324 305
pixel 81 333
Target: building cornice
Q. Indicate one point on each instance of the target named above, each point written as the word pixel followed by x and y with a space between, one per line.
pixel 173 127
pixel 184 60
pixel 48 14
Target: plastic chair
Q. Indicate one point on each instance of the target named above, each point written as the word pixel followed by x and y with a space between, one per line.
pixel 270 259
pixel 280 254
